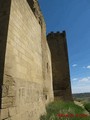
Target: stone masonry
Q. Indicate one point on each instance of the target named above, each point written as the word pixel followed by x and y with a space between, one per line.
pixel 26 82
pixel 25 78
pixel 60 65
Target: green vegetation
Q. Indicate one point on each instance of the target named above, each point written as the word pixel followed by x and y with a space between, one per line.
pixel 59 110
pixel 87 107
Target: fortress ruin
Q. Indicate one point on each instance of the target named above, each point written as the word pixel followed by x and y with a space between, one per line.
pixel 28 70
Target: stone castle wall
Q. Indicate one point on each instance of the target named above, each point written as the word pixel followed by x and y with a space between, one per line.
pixel 26 62
pixel 60 65
pixel 26 80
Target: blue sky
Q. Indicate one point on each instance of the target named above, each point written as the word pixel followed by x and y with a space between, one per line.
pixel 73 16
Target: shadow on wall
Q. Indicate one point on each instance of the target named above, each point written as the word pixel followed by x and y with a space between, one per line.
pixel 31 4
pixel 60 65
pixel 4 21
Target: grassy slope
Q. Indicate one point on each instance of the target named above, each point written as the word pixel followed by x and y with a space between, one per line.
pixel 64 108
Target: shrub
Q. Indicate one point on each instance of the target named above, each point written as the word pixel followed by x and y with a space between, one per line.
pixel 87 107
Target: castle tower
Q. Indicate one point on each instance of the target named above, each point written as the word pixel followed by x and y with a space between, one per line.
pixel 60 65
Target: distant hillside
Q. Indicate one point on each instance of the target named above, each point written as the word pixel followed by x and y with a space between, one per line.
pixel 81 95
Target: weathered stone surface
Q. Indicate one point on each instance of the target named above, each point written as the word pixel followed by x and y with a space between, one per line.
pixel 60 65
pixel 12 111
pixel 4 114
pixel 46 66
pixel 4 91
pixel 8 90
pixel 26 65
pixel 27 68
pixel 7 119
pixel 11 91
pixel 8 102
pixel 4 21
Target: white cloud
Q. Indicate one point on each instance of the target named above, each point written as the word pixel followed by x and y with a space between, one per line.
pixel 74 65
pixel 81 85
pixel 88 66
pixel 81 89
pixel 86 79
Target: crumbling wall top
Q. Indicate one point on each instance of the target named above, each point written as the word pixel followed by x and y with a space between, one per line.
pixel 34 4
